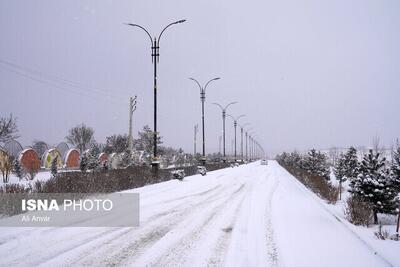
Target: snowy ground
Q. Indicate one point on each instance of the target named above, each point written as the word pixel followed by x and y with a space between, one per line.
pixel 251 215
pixel 40 176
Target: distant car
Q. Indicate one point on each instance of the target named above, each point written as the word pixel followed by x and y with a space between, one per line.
pixel 264 162
pixel 201 170
pixel 178 174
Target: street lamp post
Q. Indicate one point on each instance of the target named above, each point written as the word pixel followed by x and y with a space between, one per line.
pixel 251 145
pixel 247 158
pixel 251 148
pixel 155 47
pixel 241 139
pixel 203 99
pixel 235 120
pixel 196 129
pixel 223 109
pixel 247 143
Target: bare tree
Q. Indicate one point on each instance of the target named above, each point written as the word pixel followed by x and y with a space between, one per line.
pixel 8 128
pixel 81 137
pixel 117 143
pixel 40 147
pixel 375 143
pixel 334 155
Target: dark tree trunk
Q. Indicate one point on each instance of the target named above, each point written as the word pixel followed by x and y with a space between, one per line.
pixel 375 216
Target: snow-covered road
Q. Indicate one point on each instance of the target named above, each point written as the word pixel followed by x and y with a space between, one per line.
pixel 251 215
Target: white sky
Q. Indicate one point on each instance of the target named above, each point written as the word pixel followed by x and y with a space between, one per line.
pixel 315 73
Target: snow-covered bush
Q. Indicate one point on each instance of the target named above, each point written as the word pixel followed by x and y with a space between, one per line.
pixel 126 160
pixel 382 234
pixel 358 211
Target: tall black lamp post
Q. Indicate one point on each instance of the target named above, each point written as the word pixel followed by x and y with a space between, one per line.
pixel 235 120
pixel 203 99
pixel 155 47
pixel 223 109
pixel 251 145
pixel 241 139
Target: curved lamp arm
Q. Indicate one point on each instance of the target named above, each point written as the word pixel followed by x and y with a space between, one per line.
pixel 241 116
pixel 193 79
pixel 219 106
pixel 233 118
pixel 230 104
pixel 136 25
pixel 173 23
pixel 217 78
pixel 244 125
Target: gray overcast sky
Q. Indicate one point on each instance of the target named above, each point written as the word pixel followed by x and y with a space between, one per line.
pixel 306 73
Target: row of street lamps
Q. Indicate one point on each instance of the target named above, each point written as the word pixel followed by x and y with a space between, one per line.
pixel 255 150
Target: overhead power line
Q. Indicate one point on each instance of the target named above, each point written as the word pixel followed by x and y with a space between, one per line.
pixel 58 82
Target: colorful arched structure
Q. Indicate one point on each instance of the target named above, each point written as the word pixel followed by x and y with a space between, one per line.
pixel 103 157
pixel 72 159
pixel 29 160
pixel 49 156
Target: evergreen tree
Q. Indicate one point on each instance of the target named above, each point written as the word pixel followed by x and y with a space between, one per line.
pixel 340 172
pixel 340 168
pixel 54 166
pixel 317 163
pixel 395 169
pixel 84 163
pixel 347 168
pixel 373 185
pixel 17 169
pixel 93 162
pixel 351 165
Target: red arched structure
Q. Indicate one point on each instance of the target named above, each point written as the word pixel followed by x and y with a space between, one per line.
pixel 72 159
pixel 103 157
pixel 29 160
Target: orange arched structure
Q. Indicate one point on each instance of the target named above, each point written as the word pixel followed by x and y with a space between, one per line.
pixel 72 159
pixel 29 160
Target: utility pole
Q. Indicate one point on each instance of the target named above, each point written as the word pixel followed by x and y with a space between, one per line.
pixel 132 108
pixel 196 129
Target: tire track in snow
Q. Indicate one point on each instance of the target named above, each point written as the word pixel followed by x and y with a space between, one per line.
pixel 48 246
pixel 272 249
pixel 177 246
pixel 138 239
pixel 216 257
